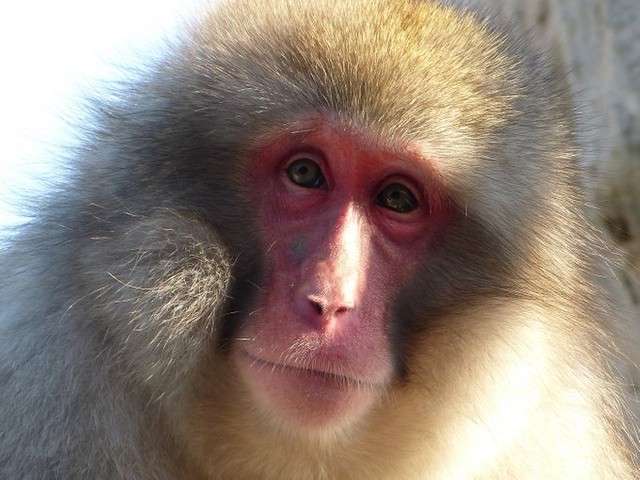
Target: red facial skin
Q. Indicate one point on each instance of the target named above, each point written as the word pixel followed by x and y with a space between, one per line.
pixel 316 352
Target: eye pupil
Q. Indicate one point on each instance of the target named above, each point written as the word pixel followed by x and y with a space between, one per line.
pixel 398 198
pixel 306 173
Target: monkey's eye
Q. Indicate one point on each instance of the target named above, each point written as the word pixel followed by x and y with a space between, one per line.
pixel 306 173
pixel 398 198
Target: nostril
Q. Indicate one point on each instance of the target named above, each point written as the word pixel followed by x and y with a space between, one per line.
pixel 317 307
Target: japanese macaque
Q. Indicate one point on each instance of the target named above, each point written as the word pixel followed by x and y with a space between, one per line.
pixel 319 240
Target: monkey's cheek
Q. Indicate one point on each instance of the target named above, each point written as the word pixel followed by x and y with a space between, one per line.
pixel 305 398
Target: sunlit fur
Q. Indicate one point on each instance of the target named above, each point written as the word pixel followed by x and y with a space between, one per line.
pixel 118 300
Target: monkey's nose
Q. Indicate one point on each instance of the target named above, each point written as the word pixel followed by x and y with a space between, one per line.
pixel 324 308
pixel 325 298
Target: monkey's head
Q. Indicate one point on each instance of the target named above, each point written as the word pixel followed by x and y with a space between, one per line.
pixel 367 178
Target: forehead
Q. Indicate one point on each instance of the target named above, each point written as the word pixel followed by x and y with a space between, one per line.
pixel 415 69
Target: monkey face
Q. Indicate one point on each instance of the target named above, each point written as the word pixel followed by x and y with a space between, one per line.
pixel 341 219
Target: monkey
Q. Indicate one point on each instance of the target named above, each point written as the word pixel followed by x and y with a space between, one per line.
pixel 318 240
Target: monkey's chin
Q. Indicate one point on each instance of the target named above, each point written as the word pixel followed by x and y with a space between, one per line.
pixel 305 398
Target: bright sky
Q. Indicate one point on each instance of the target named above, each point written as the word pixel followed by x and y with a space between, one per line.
pixel 49 52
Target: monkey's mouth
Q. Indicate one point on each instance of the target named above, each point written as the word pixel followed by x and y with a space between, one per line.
pixel 338 379
pixel 308 396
